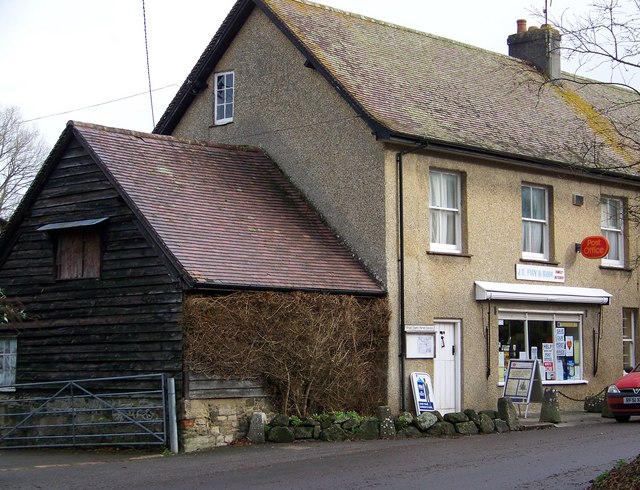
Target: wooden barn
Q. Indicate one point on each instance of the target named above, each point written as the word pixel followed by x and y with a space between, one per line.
pixel 119 227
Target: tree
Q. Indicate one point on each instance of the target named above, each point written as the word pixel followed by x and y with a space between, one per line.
pixel 607 35
pixel 22 151
pixel 606 39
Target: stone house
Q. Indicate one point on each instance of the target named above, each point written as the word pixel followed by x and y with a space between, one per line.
pixel 464 179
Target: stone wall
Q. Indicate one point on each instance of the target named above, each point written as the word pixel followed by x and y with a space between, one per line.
pixel 210 423
pixel 341 427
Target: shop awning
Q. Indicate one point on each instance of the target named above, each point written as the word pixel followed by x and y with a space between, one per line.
pixel 488 291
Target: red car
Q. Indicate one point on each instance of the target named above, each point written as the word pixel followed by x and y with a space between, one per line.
pixel 623 396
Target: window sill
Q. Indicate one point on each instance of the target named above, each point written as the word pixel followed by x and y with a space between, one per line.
pixel 220 123
pixel 538 261
pixel 448 254
pixel 616 268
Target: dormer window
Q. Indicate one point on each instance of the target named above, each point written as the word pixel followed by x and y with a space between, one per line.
pixel 224 97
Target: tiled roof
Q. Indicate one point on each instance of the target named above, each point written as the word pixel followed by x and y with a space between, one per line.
pixel 228 215
pixel 425 86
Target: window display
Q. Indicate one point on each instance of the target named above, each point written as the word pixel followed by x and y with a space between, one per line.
pixel 554 339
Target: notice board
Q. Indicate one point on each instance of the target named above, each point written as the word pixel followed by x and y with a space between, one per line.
pixel 523 383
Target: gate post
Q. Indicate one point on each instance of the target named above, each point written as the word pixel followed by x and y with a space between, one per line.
pixel 173 425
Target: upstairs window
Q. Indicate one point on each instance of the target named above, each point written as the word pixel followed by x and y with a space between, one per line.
pixel 612 225
pixel 445 211
pixel 8 356
pixel 78 249
pixel 224 97
pixel 78 254
pixel 535 223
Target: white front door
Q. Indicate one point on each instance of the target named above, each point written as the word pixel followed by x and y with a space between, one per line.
pixel 446 382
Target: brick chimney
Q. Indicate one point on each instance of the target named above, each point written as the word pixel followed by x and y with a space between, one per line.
pixel 539 46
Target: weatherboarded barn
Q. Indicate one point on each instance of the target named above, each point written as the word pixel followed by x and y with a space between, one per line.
pixel 119 227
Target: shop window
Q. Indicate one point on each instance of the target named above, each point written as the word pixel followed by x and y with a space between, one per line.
pixel 224 97
pixel 555 340
pixel 629 323
pixel 612 225
pixel 8 356
pixel 445 206
pixel 535 223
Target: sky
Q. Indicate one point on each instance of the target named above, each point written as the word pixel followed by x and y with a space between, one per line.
pixel 86 60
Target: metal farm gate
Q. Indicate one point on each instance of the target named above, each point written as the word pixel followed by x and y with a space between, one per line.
pixel 123 411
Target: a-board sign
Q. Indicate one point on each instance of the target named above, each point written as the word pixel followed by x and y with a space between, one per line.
pixel 523 383
pixel 422 393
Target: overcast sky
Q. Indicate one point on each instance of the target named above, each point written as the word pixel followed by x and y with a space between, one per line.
pixel 61 55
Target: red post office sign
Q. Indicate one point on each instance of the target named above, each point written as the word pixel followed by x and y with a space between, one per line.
pixel 594 247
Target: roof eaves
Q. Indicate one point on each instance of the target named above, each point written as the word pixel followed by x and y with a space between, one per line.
pixel 197 78
pixel 513 159
pixel 210 287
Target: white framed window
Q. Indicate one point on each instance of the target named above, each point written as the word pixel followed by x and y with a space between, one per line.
pixel 224 97
pixel 535 223
pixel 555 339
pixel 629 319
pixel 612 225
pixel 445 211
pixel 8 356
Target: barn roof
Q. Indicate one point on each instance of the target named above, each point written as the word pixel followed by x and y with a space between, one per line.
pixel 227 215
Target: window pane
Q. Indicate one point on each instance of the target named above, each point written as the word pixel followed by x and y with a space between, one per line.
pixel 220 82
pixel 229 96
pixel 510 343
pixel 526 202
pixel 435 192
pixel 538 204
pixel 229 80
pixel 8 354
pixel 450 191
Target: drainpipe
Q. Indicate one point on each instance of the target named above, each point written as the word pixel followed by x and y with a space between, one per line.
pixel 401 320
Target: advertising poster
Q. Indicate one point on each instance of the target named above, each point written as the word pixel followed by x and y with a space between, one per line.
pixel 568 346
pixel 560 342
pixel 547 362
pixel 422 393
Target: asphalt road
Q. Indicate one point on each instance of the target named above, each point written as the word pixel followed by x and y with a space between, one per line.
pixel 555 458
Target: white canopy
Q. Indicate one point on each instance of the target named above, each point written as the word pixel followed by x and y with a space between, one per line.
pixel 487 291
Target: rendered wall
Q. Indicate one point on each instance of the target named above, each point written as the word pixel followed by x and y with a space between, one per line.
pixel 307 128
pixel 442 286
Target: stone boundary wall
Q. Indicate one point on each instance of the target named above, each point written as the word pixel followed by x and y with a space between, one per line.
pixel 340 427
pixel 212 423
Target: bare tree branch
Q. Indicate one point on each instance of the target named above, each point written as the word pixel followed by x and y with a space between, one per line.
pixel 22 151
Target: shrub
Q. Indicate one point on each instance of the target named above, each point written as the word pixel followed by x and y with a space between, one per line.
pixel 314 352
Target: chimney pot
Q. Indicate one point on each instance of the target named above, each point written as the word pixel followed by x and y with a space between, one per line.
pixel 522 25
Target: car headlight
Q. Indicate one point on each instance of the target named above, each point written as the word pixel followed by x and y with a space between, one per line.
pixel 613 389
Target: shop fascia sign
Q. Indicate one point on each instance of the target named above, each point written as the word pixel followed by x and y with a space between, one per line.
pixel 526 272
pixel 594 247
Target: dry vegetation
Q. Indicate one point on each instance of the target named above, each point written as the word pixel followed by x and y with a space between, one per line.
pixel 314 352
pixel 624 476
